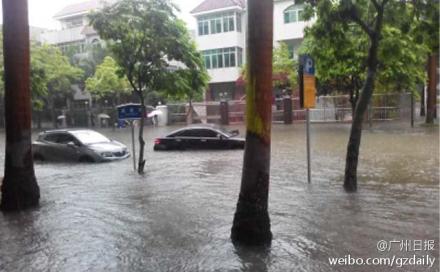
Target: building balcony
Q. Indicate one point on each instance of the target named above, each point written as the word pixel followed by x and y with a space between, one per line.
pixel 63 36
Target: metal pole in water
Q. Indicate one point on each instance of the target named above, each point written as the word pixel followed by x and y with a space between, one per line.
pixel 309 172
pixel 412 110
pixel 133 144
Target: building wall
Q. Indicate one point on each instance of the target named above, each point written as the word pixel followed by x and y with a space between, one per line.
pixel 67 35
pixel 289 31
pixel 224 40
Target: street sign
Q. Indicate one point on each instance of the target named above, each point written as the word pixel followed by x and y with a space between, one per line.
pixel 309 91
pixel 307 82
pixel 307 98
pixel 308 64
pixel 129 112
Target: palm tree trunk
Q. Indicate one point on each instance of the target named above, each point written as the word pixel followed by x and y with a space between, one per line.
pixel 19 188
pixel 251 223
pixel 431 93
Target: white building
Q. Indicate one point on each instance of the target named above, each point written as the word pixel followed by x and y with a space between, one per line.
pixel 75 33
pixel 221 37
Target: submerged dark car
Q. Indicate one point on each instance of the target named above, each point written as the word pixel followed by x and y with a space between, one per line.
pixel 83 145
pixel 200 137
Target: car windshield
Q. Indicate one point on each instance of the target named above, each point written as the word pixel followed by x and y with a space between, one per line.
pixel 90 137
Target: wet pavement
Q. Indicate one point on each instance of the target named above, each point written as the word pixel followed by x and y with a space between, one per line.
pixel 177 217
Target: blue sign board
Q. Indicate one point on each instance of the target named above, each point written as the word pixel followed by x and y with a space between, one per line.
pixel 308 64
pixel 129 112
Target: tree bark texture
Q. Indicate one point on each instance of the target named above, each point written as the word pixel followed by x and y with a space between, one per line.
pixel 251 225
pixel 422 101
pixel 141 162
pixel 19 187
pixel 432 89
pixel 364 98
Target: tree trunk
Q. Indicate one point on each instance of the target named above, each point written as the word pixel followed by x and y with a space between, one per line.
pixel 19 188
pixel 422 101
pixel 141 162
pixel 52 112
pixel 364 98
pixel 189 114
pixel 251 224
pixel 432 86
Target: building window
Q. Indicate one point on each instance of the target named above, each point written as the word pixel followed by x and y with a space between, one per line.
pixel 223 57
pixel 75 22
pixel 218 23
pixel 240 56
pixel 293 14
pixel 238 15
pixel 203 28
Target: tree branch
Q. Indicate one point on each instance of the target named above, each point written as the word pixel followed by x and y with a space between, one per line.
pixel 355 17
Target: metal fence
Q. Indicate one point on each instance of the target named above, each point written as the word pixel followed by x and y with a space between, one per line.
pixel 383 107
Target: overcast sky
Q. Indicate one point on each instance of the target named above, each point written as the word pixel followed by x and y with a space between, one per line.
pixel 42 11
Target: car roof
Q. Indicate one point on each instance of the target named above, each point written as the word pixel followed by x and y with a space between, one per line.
pixel 198 126
pixel 64 130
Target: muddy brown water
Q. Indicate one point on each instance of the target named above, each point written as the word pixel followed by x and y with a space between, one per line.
pixel 177 217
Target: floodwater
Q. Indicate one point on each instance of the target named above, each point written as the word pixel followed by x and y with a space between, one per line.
pixel 177 217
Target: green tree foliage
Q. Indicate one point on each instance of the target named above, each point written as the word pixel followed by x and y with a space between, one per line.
pixel 340 46
pixel 51 73
pixel 59 74
pixel 88 61
pixel 107 80
pixel 284 67
pixel 144 37
pixel 188 84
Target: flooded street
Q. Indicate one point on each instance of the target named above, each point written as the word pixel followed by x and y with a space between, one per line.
pixel 177 217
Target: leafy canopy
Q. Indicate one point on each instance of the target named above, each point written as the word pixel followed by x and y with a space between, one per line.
pixel 50 72
pixel 59 74
pixel 106 80
pixel 339 46
pixel 145 37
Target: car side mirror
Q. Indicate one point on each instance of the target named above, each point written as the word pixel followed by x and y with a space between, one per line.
pixel 71 144
pixel 219 136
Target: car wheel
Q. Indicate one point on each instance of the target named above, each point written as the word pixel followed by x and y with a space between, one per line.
pixel 86 159
pixel 38 157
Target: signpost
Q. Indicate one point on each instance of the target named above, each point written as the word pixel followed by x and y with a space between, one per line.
pixel 307 96
pixel 130 113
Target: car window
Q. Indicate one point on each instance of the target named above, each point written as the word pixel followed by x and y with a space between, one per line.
pixel 188 133
pixel 65 138
pixel 90 137
pixel 208 133
pixel 53 137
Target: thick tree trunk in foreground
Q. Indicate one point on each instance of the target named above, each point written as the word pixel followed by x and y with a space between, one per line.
pixel 19 188
pixel 432 86
pixel 351 162
pixel 251 224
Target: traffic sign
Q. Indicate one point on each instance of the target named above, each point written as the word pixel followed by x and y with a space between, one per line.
pixel 129 111
pixel 307 82
pixel 308 64
pixel 309 91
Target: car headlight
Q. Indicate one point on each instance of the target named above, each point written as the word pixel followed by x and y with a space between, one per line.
pixel 107 154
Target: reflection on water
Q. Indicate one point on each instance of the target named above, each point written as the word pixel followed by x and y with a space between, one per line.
pixel 177 217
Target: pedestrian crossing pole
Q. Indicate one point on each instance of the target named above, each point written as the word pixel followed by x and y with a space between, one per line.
pixel 307 97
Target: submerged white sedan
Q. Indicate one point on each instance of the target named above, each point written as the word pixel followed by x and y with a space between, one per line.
pixel 83 145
